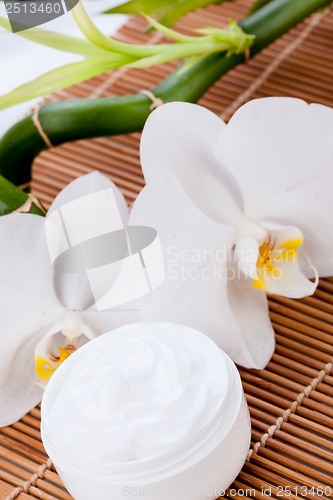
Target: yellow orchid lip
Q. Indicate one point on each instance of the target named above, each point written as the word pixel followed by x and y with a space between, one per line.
pixel 287 251
pixel 46 366
pixel 270 256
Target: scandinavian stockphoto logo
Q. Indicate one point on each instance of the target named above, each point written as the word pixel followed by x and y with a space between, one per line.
pixel 98 260
pixel 25 14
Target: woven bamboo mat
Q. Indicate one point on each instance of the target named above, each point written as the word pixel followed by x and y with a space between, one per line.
pixel 291 402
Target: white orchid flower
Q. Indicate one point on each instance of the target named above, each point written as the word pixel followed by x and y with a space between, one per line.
pixel 241 209
pixel 62 280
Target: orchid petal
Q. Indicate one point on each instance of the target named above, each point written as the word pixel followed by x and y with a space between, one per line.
pixel 246 253
pixel 178 139
pixel 255 341
pixel 195 292
pixel 313 218
pixel 28 305
pixel 291 282
pixel 19 392
pixel 284 168
pixel 88 184
pixel 78 227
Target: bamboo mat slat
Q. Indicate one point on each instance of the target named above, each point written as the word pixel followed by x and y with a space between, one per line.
pixel 291 401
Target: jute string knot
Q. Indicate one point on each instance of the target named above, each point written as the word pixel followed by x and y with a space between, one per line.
pixel 156 101
pixel 38 125
pixel 26 207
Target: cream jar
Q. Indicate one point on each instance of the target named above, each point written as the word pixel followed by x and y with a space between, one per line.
pixel 150 410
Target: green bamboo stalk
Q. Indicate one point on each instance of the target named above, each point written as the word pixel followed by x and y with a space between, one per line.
pixel 86 118
pixel 12 198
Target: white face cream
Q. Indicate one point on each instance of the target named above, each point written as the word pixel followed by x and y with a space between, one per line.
pixel 146 407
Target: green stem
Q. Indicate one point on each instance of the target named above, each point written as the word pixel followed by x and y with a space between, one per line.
pixel 85 118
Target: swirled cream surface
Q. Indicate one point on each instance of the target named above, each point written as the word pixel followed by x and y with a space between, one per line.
pixel 137 393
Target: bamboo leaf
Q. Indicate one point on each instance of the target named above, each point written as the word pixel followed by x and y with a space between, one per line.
pixel 167 32
pixel 187 65
pixel 172 15
pixel 65 43
pixel 57 79
pixel 96 37
pixel 142 6
pixel 232 40
pixel 114 116
pixel 169 11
